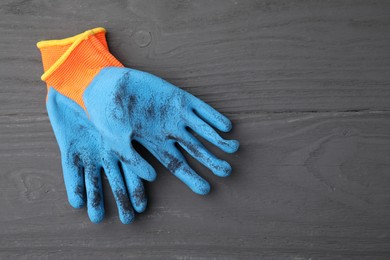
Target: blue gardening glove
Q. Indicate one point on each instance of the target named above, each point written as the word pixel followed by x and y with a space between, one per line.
pixel 84 154
pixel 125 105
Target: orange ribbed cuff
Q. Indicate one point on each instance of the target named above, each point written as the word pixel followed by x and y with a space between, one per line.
pixel 71 64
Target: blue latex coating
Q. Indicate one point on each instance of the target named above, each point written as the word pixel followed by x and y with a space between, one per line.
pixel 84 153
pixel 126 104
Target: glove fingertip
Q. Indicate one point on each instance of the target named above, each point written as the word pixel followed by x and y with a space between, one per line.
pixel 96 216
pixel 201 189
pixel 226 125
pixel 222 169
pixel 76 202
pixel 153 175
pixel 139 208
pixel 138 199
pixel 228 146
pixel 127 218
pixel 233 146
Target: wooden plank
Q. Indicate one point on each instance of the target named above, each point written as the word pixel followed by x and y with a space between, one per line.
pixel 307 185
pixel 242 57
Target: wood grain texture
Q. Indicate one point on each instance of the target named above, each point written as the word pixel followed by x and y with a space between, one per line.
pixel 306 84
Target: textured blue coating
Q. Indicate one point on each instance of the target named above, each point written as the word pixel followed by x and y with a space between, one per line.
pixel 126 104
pixel 84 153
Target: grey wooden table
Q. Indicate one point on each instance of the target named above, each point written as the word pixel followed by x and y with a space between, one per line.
pixel 306 84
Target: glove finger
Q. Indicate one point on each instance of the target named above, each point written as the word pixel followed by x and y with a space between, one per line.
pixel 93 186
pixel 174 161
pixel 208 133
pixel 211 116
pixel 136 190
pixel 198 151
pixel 137 165
pixel 126 213
pixel 74 181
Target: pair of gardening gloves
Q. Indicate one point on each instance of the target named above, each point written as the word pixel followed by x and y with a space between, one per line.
pixel 97 107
